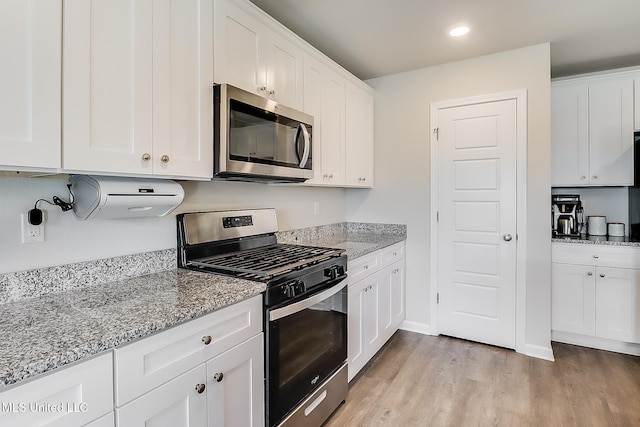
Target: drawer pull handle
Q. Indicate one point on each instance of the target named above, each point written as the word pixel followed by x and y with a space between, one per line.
pixel 206 339
pixel 200 388
pixel 218 377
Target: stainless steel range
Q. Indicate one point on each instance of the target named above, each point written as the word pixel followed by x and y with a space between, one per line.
pixel 305 307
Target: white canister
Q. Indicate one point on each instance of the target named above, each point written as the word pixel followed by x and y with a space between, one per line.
pixel 615 229
pixel 597 225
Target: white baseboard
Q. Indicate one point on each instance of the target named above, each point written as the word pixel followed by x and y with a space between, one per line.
pixel 595 342
pixel 421 328
pixel 539 352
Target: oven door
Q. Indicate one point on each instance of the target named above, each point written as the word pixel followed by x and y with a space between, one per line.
pixel 306 342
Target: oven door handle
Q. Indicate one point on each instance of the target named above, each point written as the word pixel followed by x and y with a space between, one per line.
pixel 306 303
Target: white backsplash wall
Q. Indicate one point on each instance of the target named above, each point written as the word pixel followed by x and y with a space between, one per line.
pixel 613 202
pixel 68 240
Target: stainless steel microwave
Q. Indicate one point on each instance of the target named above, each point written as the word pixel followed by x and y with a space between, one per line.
pixel 256 138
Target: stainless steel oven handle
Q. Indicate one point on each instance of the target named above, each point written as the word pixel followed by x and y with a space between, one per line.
pixel 305 153
pixel 306 303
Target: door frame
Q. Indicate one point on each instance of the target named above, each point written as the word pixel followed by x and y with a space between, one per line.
pixel 520 96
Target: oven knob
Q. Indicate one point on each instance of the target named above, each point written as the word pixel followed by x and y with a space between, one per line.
pixel 299 287
pixel 289 290
pixel 334 272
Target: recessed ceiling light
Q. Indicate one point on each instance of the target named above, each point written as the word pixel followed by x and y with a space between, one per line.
pixel 459 31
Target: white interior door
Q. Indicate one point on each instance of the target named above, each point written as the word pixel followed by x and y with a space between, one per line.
pixel 477 222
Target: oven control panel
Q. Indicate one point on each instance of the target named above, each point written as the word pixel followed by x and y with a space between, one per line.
pixel 237 221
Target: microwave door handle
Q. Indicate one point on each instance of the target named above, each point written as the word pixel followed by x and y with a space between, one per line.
pixel 305 154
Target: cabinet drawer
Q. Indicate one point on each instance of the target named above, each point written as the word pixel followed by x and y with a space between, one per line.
pixel 391 254
pixel 152 361
pixel 364 266
pixel 70 396
pixel 596 255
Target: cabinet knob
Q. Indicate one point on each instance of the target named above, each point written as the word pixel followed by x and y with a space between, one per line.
pixel 590 273
pixel 146 157
pixel 331 176
pixel 583 177
pixel 218 376
pixel 271 92
pixel 262 88
pixel 206 339
pixel 164 159
pixel 325 175
pixel 594 177
pixel 200 388
pixel 601 275
pixel 596 256
pixel 366 267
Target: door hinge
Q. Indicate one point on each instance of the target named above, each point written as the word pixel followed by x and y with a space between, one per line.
pixel 438 298
pixel 436 131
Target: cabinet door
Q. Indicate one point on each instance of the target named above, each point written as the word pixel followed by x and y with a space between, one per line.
pixel 611 131
pixel 235 386
pixel 79 394
pixel 397 294
pixel 30 83
pixel 285 67
pixel 240 48
pixel 183 88
pixel 333 137
pixel 569 134
pixel 107 73
pixel 618 304
pixel 374 317
pixel 573 298
pixel 636 97
pixel 355 332
pixel 313 99
pixel 180 402
pixel 358 137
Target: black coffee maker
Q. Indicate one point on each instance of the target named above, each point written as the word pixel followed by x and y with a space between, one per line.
pixel 566 215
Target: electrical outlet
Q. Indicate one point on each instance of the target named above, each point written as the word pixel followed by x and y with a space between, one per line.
pixel 31 233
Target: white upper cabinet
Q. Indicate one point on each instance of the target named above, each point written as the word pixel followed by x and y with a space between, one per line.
pixel 592 131
pixel 324 99
pixel 138 87
pixel 359 137
pixel 31 33
pixel 252 56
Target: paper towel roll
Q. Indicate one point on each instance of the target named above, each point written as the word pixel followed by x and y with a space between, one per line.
pixel 597 225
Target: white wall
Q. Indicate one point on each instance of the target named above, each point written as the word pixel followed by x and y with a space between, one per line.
pixel 68 240
pixel 402 192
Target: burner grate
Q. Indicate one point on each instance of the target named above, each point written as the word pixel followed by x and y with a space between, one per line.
pixel 267 261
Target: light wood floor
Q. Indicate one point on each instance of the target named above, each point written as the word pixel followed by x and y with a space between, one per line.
pixel 418 380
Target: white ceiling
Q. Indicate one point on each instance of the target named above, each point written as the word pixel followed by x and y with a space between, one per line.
pixel 373 38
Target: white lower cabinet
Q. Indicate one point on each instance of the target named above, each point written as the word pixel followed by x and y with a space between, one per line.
pixel 71 396
pixel 180 402
pixel 206 372
pixel 376 303
pixel 235 386
pixel 596 291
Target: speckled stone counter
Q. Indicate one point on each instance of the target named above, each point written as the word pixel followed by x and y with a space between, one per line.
pixel 598 240
pixel 46 332
pixel 357 239
pixel 55 316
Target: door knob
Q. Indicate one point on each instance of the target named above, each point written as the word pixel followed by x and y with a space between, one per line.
pixel 507 237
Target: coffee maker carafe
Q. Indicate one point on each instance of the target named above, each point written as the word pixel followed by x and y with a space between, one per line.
pixel 566 213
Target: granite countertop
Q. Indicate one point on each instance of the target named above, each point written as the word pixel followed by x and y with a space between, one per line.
pixel 357 239
pixel 56 316
pixel 43 333
pixel 598 240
